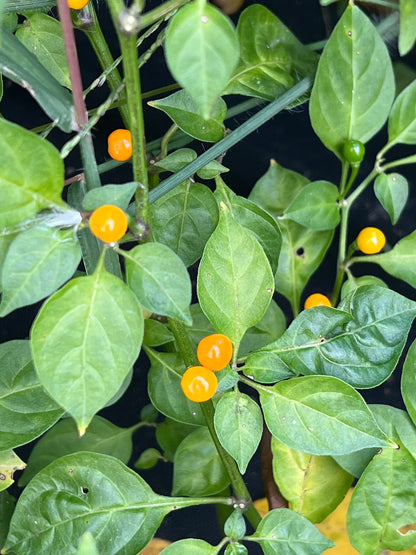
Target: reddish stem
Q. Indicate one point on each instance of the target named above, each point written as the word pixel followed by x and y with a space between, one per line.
pixel 274 497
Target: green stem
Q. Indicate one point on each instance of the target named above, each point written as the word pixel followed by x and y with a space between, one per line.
pixel 239 488
pixel 342 245
pixel 401 162
pixel 165 140
pixel 135 109
pixel 100 47
pixel 160 12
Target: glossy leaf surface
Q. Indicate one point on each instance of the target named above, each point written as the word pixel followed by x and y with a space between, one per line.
pixel 392 191
pixel 313 485
pixel 408 382
pixel 87 492
pixel 186 113
pixel 272 59
pixel 320 415
pixel 31 174
pixel 164 386
pixel 360 344
pixel 22 67
pixel 84 340
pixel 42 35
pixel 201 51
pixel 184 219
pixel 197 467
pixel 284 532
pixel 354 84
pixel 383 500
pixel 26 411
pixel 402 119
pixel 239 425
pixel 235 281
pixel 101 437
pixel 400 260
pixel 119 195
pixel 38 262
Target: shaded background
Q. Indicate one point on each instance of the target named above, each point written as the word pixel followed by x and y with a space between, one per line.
pixel 289 139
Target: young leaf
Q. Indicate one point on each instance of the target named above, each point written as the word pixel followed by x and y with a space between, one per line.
pixel 87 492
pixel 407 34
pixel 383 500
pixel 101 437
pixel 184 219
pixel 27 411
pixel 354 85
pixel 198 469
pixel 22 67
pixel 402 119
pixel 191 546
pixel 177 160
pixel 302 250
pixel 360 344
pixel 84 340
pixel 392 191
pixel 9 463
pixel 31 174
pixel 87 545
pixel 164 386
pixel 400 261
pixel 272 59
pixel 320 415
pixel 408 382
pixel 160 281
pixel 42 35
pixel 235 525
pixel 38 262
pixel 284 532
pixel 315 206
pixel 235 281
pixel 239 426
pixel 202 51
pixel 254 219
pixel 186 113
pixel 119 195
pixel 313 485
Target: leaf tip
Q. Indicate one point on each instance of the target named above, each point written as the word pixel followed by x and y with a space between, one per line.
pixel 81 430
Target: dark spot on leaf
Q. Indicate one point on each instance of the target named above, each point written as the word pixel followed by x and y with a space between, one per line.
pixel 2 476
pixel 70 471
pixel 300 251
pixel 84 490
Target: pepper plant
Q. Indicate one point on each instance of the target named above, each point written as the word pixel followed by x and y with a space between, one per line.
pixel 114 266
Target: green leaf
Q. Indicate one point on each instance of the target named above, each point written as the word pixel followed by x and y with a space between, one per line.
pixel 7 504
pixel 408 382
pixel 119 195
pixel 320 415
pixel 354 84
pixel 235 281
pixel 9 463
pixel 84 340
pixel 186 113
pixel 42 35
pixel 31 174
pixel 392 191
pixel 190 546
pixel 201 51
pixel 315 206
pixel 148 458
pixel 22 67
pixel 198 469
pixel 239 425
pixel 37 263
pixel 256 220
pixel 156 333
pixel 352 283
pixel 169 435
pixel 383 500
pixel 360 344
pixel 313 485
pixel 87 545
pixel 177 160
pixel 160 281
pixel 235 525
pixel 5 242
pixel 101 437
pixel 302 250
pixel 402 119
pixel 184 219
pixel 272 59
pixel 164 385
pixel 407 34
pixel 355 463
pixel 400 261
pixel 236 548
pixel 211 170
pixel 26 411
pixel 87 492
pixel 23 5
pixel 284 532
